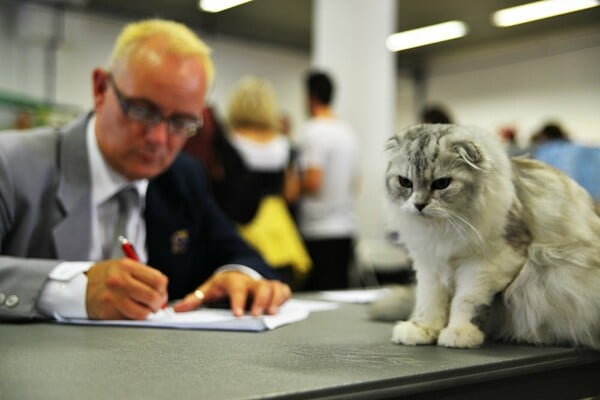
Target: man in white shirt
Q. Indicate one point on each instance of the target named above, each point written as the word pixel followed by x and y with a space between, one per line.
pixel 330 163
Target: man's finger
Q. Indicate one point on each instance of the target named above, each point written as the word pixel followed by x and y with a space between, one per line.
pixel 192 300
pixel 146 295
pixel 281 293
pixel 238 295
pixel 150 276
pixel 132 309
pixel 262 298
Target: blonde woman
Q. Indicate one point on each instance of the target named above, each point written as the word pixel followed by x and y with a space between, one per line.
pixel 259 178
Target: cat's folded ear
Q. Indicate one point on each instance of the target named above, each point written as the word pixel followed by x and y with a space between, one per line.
pixel 469 153
pixel 391 144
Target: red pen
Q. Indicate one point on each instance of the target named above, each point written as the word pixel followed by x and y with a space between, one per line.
pixel 130 252
pixel 128 249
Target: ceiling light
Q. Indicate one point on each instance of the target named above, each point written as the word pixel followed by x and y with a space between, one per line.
pixel 426 35
pixel 539 10
pixel 219 5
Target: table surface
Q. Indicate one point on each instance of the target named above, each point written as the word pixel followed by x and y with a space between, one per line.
pixel 332 354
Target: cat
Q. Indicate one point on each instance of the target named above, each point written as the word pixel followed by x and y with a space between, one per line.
pixel 513 239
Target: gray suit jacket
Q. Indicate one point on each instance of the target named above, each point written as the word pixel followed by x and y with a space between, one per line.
pixel 44 192
pixel 45 218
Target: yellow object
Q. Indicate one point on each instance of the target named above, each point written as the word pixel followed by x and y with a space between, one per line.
pixel 275 236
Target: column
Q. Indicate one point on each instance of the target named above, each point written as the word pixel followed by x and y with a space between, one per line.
pixel 349 42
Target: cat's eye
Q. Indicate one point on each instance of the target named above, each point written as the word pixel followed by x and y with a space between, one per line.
pixel 404 182
pixel 440 184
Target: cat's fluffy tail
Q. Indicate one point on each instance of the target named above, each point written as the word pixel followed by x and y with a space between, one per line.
pixel 394 306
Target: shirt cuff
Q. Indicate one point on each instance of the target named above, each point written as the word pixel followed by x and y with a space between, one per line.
pixel 241 268
pixel 64 291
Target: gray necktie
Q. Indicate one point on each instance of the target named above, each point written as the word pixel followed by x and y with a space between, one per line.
pixel 127 199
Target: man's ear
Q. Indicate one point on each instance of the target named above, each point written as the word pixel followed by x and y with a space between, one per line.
pixel 99 85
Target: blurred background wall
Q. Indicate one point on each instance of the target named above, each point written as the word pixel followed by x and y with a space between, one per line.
pixel 48 55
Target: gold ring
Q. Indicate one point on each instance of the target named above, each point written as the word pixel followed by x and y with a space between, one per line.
pixel 199 294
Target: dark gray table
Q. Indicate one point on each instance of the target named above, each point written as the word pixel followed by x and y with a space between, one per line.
pixel 332 354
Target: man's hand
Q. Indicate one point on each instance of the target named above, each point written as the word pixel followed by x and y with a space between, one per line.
pixel 267 295
pixel 124 289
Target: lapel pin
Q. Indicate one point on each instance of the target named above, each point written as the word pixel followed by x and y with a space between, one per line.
pixel 179 241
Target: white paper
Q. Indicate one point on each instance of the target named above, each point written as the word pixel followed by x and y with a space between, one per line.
pixel 361 296
pixel 215 319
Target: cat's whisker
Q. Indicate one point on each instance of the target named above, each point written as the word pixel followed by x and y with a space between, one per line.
pixel 476 235
pixel 467 232
pixel 456 228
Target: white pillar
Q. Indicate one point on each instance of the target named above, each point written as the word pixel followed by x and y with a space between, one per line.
pixel 349 42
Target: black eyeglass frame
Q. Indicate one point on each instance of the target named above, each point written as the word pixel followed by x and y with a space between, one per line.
pixel 146 112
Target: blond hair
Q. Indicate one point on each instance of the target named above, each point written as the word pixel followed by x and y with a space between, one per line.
pixel 253 105
pixel 177 39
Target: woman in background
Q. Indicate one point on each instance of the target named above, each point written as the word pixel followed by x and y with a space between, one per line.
pixel 259 178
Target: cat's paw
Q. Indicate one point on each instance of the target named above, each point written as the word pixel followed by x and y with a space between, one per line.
pixel 407 332
pixel 463 336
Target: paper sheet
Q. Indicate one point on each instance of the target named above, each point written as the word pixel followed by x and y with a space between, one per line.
pixel 215 319
pixel 360 296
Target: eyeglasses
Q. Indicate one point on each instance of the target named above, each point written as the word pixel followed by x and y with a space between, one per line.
pixel 149 114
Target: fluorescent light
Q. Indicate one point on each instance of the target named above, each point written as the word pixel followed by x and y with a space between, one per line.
pixel 539 10
pixel 219 5
pixel 426 35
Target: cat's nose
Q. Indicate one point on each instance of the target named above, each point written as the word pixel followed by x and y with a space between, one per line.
pixel 420 206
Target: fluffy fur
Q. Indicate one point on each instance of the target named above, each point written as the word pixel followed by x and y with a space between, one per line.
pixel 482 227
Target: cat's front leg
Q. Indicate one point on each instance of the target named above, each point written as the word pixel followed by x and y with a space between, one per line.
pixel 472 296
pixel 429 316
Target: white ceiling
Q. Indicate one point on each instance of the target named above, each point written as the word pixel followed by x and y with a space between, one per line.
pixel 288 22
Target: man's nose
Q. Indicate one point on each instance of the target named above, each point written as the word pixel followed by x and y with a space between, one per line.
pixel 159 133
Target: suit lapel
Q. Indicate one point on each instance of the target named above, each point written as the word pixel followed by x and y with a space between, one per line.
pixel 74 194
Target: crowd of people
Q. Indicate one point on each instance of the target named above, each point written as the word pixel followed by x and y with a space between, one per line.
pixel 291 198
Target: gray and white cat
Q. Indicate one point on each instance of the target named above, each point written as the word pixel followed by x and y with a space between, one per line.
pixel 480 226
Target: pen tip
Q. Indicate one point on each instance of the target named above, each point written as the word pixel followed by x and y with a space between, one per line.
pixel 123 240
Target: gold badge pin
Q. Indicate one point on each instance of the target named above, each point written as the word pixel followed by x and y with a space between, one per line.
pixel 179 241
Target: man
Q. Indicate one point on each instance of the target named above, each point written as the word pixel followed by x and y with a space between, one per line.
pixel 329 159
pixel 61 193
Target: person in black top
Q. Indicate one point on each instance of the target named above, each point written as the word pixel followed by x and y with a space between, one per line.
pixel 258 176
